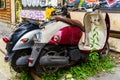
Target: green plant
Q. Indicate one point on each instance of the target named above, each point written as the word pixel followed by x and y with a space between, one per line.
pixel 93 56
pixel 82 71
pixel 18 8
pixel 94 39
pixel 22 76
pixel 25 76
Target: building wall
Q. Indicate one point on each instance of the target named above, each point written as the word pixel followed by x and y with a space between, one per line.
pixel 114 19
pixel 5 13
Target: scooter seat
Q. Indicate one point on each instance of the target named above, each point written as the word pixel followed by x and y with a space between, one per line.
pixel 75 23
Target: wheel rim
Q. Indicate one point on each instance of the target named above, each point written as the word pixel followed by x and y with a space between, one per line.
pixel 50 69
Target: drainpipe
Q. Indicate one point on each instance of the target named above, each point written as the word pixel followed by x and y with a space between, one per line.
pixel 12 12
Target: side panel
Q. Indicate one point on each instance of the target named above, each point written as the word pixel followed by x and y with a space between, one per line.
pixel 29 43
pixel 50 29
pixel 68 35
pixel 37 48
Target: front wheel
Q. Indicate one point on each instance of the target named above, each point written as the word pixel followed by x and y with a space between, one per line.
pixel 16 56
pixel 105 51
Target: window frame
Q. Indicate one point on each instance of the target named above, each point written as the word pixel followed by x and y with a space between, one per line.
pixel 3 4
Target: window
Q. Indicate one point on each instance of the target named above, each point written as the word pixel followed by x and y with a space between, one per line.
pixel 2 3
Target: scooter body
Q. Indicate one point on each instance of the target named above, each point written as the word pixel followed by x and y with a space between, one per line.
pixel 61 34
pixel 56 33
pixel 58 43
pixel 73 36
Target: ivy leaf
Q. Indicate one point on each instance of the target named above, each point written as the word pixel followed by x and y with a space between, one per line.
pixel 97 44
pixel 97 38
pixel 94 35
pixel 91 38
pixel 93 41
pixel 91 45
pixel 96 32
pixel 95 28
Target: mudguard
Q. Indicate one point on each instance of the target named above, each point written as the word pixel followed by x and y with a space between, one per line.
pixel 19 45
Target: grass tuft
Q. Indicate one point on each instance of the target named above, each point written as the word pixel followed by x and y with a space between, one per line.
pixel 82 71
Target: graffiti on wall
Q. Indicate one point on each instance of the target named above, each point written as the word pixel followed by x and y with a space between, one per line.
pixel 35 13
pixel 110 3
pixel 32 14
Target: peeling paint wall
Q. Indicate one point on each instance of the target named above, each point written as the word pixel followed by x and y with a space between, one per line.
pixel 115 21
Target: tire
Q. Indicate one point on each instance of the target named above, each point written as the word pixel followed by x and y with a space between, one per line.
pixel 15 57
pixel 105 52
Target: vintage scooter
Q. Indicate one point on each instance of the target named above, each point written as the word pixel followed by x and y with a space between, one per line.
pixel 66 42
pixel 58 43
pixel 21 41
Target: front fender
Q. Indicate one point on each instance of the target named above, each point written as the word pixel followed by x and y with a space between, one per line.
pixel 19 45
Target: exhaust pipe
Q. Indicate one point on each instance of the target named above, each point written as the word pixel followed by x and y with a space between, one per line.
pixel 54 60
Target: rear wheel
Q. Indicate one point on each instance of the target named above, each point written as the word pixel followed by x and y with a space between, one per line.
pixel 105 51
pixel 16 56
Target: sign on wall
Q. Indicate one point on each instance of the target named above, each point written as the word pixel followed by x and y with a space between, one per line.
pixel 38 3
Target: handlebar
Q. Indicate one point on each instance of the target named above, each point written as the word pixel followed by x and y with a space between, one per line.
pixel 97 6
pixel 93 8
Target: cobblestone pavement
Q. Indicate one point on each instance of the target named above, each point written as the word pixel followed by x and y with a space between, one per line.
pixel 5 73
pixel 4 31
